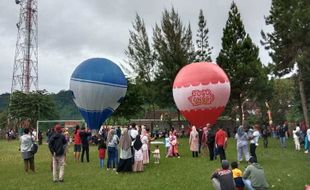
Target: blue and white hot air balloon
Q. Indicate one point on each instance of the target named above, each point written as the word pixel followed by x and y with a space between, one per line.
pixel 98 86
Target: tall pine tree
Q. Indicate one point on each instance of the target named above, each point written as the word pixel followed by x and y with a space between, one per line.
pixel 289 42
pixel 141 60
pixel 139 53
pixel 203 51
pixel 174 49
pixel 239 58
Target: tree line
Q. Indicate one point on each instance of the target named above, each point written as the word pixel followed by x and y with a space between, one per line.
pixel 155 61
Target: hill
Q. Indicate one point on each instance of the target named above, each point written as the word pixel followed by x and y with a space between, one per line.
pixel 65 106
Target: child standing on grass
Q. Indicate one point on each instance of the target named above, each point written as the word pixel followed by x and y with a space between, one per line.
pixel 101 152
pixel 167 143
pixel 156 154
pixel 237 175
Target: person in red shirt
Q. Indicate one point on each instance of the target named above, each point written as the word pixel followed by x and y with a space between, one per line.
pixel 220 142
pixel 101 152
pixel 77 144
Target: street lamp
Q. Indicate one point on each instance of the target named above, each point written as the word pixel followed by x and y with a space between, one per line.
pixel 242 111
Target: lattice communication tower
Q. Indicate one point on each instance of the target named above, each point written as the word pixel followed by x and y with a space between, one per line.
pixel 25 69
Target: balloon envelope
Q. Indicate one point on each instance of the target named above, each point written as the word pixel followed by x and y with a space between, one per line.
pixel 201 92
pixel 98 86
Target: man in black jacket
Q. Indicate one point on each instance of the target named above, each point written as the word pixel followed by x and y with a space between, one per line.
pixel 57 146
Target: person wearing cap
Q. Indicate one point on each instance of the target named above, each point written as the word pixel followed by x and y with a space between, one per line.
pixel 254 176
pixel 57 146
pixel 222 179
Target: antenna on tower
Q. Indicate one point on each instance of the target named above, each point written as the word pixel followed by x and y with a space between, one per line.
pixel 25 69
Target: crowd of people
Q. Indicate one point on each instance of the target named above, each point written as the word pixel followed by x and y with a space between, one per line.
pixel 128 150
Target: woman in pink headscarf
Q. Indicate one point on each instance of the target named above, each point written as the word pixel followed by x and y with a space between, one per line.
pixel 194 141
pixel 173 150
pixel 145 150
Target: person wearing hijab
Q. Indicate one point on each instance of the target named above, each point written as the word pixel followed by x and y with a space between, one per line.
pixel 296 136
pixel 112 141
pixel 242 144
pixel 145 150
pixel 125 162
pixel 138 154
pixel 194 142
pixel 173 150
pixel 204 147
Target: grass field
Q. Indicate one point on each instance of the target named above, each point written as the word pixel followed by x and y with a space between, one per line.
pixel 285 170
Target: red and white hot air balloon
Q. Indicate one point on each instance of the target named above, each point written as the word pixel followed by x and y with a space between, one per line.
pixel 201 92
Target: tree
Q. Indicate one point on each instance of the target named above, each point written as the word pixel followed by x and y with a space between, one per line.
pixel 240 60
pixel 203 51
pixel 132 103
pixel 141 59
pixel 174 49
pixel 289 43
pixel 140 55
pixel 281 103
pixel 3 119
pixel 33 106
pixel 4 101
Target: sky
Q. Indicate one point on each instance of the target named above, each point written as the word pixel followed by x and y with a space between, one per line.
pixel 72 31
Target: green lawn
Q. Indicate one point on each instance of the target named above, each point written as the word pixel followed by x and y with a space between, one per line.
pixel 285 169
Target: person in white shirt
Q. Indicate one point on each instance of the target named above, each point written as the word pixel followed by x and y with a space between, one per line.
pixel 296 135
pixel 167 144
pixel 26 142
pixel 254 141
